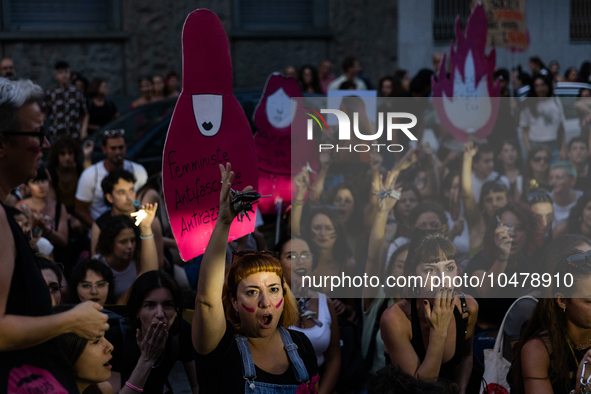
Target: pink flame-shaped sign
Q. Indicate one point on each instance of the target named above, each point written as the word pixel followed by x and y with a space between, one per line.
pixel 468 101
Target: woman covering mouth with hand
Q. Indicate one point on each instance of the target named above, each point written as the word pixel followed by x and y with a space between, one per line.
pixel 240 324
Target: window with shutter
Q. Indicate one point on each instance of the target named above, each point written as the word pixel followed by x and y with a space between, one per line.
pixel 60 15
pixel 444 18
pixel 580 20
pixel 277 17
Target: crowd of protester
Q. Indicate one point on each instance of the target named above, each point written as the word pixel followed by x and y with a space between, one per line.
pixel 94 242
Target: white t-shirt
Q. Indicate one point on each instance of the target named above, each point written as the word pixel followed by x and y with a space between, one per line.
pixel 477 184
pixel 545 126
pixel 561 213
pixel 319 336
pixel 90 190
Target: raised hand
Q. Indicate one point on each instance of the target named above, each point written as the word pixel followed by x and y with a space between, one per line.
pixel 387 203
pixel 470 150
pixel 148 212
pixel 503 241
pixel 407 160
pixel 88 321
pixel 442 312
pixel 227 212
pixel 302 180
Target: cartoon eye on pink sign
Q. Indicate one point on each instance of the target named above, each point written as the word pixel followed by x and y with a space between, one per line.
pixel 468 102
pixel 275 116
pixel 208 128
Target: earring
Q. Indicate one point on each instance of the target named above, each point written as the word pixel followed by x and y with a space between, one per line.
pixel 564 310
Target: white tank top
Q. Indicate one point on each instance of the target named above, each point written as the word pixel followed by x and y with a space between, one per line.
pixel 319 336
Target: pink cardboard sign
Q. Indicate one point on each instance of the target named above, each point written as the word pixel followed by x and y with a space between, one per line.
pixel 468 102
pixel 276 115
pixel 208 128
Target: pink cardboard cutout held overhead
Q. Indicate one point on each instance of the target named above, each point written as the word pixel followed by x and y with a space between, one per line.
pixel 208 128
pixel 468 102
pixel 275 116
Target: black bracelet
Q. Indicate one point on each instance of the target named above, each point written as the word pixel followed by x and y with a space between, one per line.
pixel 502 260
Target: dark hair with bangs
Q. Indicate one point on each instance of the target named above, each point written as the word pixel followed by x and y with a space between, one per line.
pixel 428 246
pixel 245 266
pixel 79 273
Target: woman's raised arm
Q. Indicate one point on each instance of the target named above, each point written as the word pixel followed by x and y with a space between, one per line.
pixel 209 319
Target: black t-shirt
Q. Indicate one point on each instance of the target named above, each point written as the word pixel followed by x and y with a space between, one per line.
pixel 100 116
pixel 40 368
pixel 126 353
pixel 221 370
pixel 101 220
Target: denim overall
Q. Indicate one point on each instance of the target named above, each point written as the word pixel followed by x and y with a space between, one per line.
pixel 249 373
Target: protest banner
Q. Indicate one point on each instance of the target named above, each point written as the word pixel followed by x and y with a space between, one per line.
pixel 506 24
pixel 275 114
pixel 208 128
pixel 467 102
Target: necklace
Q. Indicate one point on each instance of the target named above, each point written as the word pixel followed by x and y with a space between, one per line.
pixel 580 346
pixel 584 345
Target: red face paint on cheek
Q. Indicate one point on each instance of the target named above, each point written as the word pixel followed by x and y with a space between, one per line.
pixel 278 305
pixel 251 310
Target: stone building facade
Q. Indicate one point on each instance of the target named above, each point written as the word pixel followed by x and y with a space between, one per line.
pixel 146 40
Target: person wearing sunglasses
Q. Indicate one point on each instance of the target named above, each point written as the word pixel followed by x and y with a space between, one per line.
pixel 554 353
pixel 563 177
pixel 239 328
pixel 27 328
pixel 537 165
pixel 90 199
